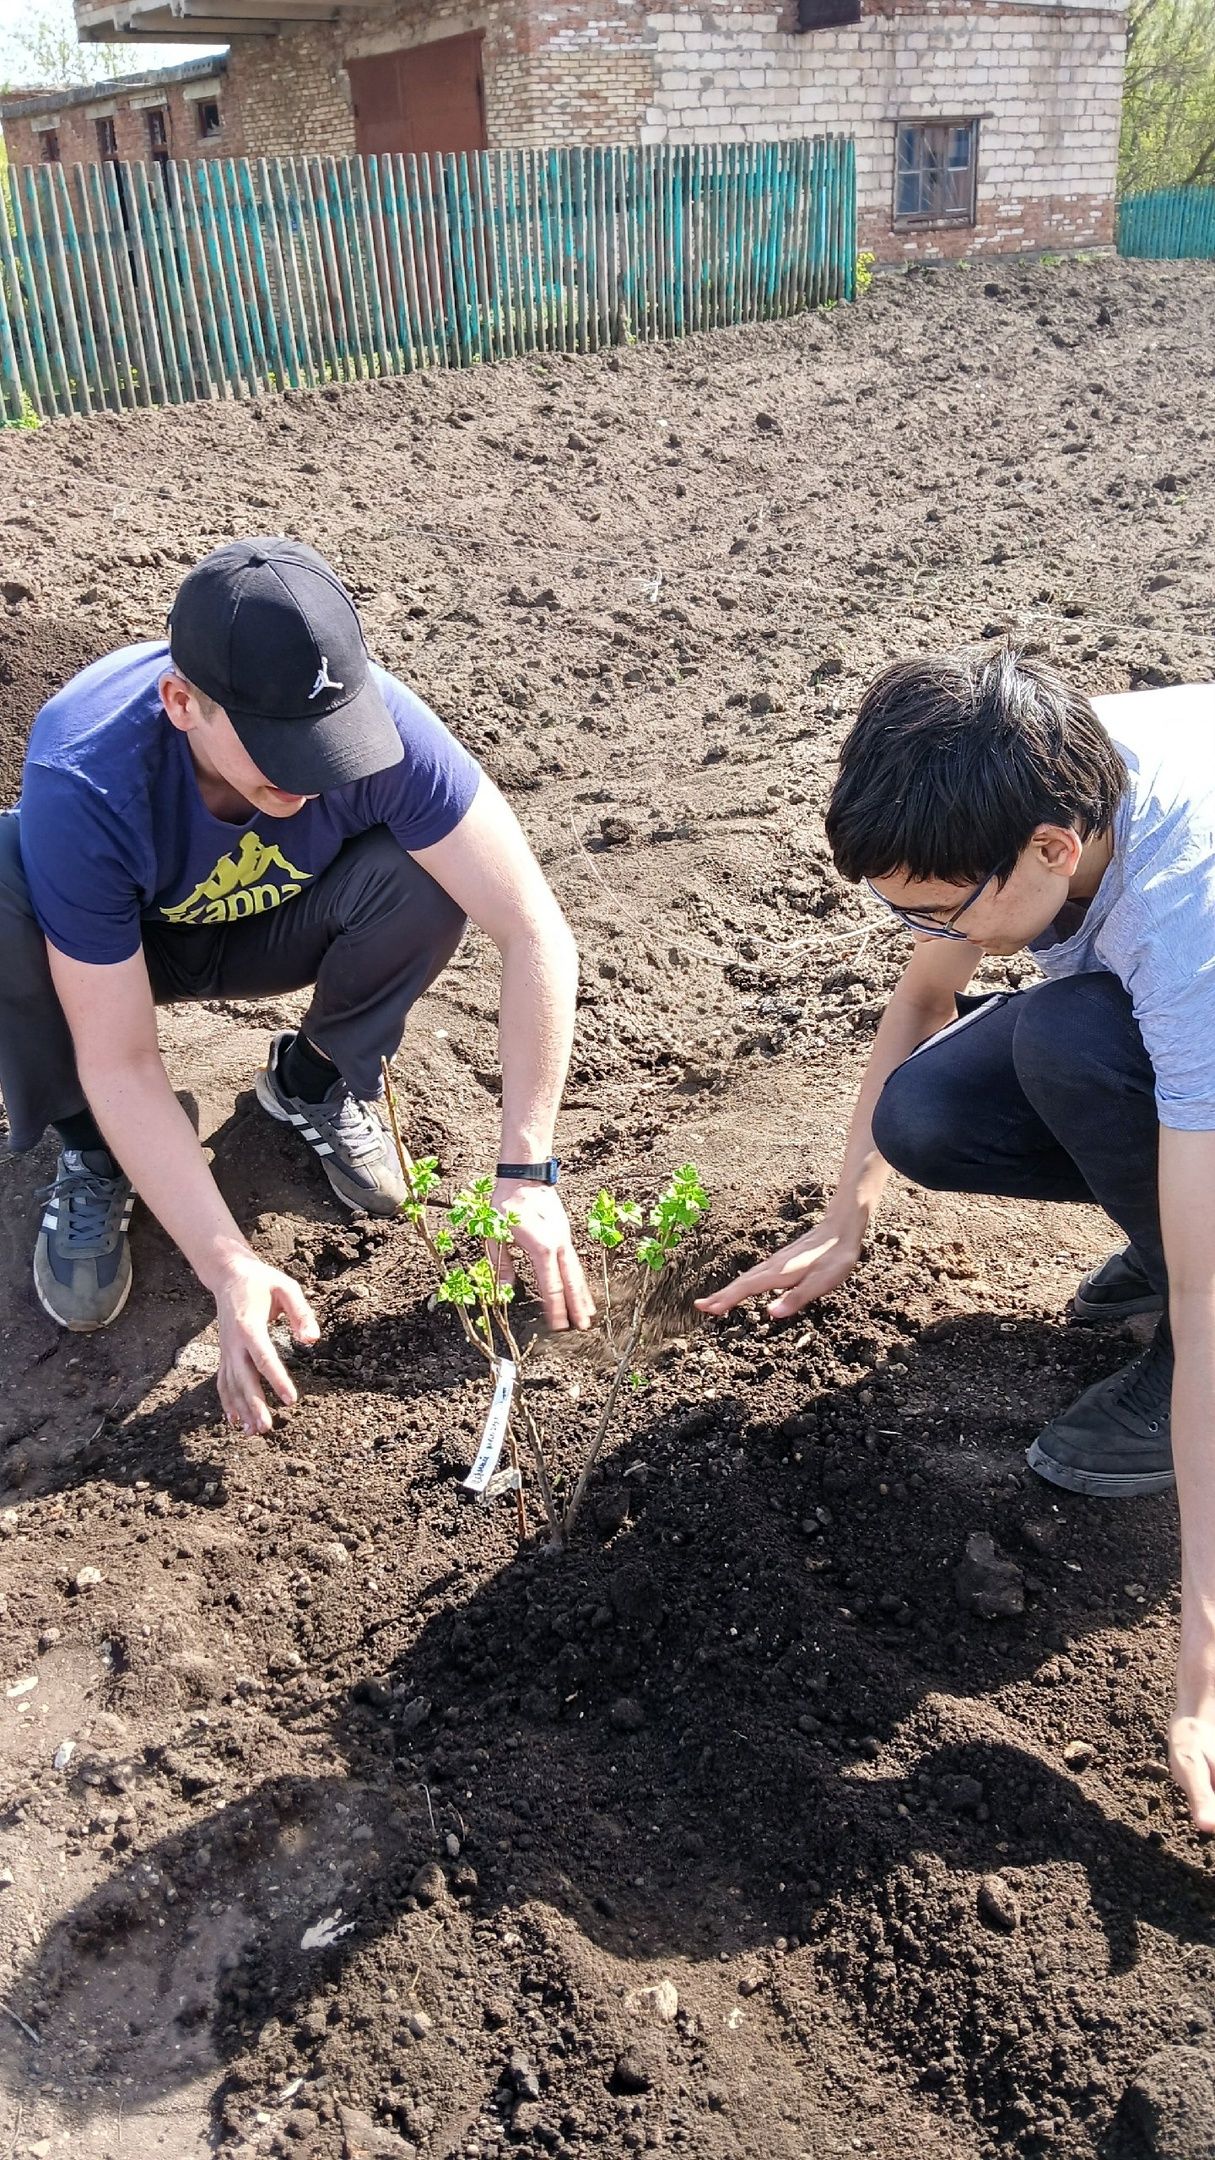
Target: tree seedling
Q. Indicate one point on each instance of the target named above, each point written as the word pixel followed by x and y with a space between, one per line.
pixel 678 1209
pixel 472 1285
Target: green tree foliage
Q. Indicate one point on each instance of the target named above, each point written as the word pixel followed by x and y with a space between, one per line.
pixel 41 50
pixel 1168 114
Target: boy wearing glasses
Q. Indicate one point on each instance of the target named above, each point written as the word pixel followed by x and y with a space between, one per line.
pixel 995 809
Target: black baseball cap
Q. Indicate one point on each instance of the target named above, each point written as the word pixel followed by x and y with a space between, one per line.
pixel 268 630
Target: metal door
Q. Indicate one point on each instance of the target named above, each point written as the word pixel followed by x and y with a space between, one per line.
pixel 420 98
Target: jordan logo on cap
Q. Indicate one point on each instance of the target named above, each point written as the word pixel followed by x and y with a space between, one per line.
pixel 324 680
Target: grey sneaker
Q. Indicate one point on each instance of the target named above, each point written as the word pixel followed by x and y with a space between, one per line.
pixel 350 1137
pixel 1117 1289
pixel 1115 1442
pixel 82 1262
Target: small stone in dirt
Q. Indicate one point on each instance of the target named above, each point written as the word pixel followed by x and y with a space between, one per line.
pixel 660 2001
pixel 767 423
pixel 87 1579
pixel 48 1638
pixel 521 2075
pixel 496 2013
pixel 986 1583
pixel 635 2071
pixel 1171 2102
pixel 1078 1754
pixel 451 1845
pixel 7 1878
pixel 429 1884
pixel 420 2025
pixel 999 1905
pixel 626 1714
pixel 363 2139
pixel 414 1714
pixel 64 1753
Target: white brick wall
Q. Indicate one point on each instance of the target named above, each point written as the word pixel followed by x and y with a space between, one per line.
pixel 1044 81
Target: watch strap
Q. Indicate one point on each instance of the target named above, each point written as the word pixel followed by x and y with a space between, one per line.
pixel 532 1173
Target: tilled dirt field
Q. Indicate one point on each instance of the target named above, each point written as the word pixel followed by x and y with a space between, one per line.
pixel 904 1877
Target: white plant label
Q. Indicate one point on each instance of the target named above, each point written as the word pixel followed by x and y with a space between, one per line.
pixel 495 1429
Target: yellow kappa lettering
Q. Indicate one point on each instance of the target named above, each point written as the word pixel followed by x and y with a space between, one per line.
pixel 238 887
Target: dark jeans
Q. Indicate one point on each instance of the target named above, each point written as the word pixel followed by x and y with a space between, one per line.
pixel 1046 1094
pixel 369 934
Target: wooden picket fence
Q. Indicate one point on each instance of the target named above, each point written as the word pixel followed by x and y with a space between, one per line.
pixel 129 285
pixel 1169 224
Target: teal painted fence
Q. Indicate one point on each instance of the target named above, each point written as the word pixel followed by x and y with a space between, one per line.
pixel 124 285
pixel 1170 225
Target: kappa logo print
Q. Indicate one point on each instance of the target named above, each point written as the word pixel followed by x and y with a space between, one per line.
pixel 324 680
pixel 257 877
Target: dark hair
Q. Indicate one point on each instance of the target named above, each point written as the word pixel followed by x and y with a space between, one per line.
pixel 952 764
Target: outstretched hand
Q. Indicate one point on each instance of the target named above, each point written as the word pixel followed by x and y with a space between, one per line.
pixel 815 1264
pixel 250 1299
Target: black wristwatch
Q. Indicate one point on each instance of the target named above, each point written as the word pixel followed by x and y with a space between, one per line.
pixel 532 1173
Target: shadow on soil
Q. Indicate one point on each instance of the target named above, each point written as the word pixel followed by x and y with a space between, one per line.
pixel 745 1711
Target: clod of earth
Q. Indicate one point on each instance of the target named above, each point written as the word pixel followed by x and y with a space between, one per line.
pixel 636 2069
pixel 988 1584
pixel 1171 2103
pixel 627 1715
pixel 429 1884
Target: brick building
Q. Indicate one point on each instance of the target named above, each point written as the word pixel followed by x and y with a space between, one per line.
pixel 188 111
pixel 980 128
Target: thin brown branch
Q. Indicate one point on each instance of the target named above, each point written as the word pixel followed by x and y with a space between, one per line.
pixel 623 1364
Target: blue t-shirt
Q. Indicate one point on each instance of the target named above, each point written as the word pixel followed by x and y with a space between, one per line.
pixel 114 831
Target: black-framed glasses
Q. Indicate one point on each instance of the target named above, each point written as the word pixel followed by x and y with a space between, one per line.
pixel 929 926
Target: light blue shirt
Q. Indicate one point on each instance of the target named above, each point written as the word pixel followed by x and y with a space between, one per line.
pixel 1151 921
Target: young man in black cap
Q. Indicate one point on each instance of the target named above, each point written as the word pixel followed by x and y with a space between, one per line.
pixel 249 809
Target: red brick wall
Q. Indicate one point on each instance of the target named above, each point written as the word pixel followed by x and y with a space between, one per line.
pixel 77 128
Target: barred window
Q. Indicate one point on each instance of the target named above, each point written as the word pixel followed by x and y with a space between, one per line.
pixel 935 167
pixel 48 144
